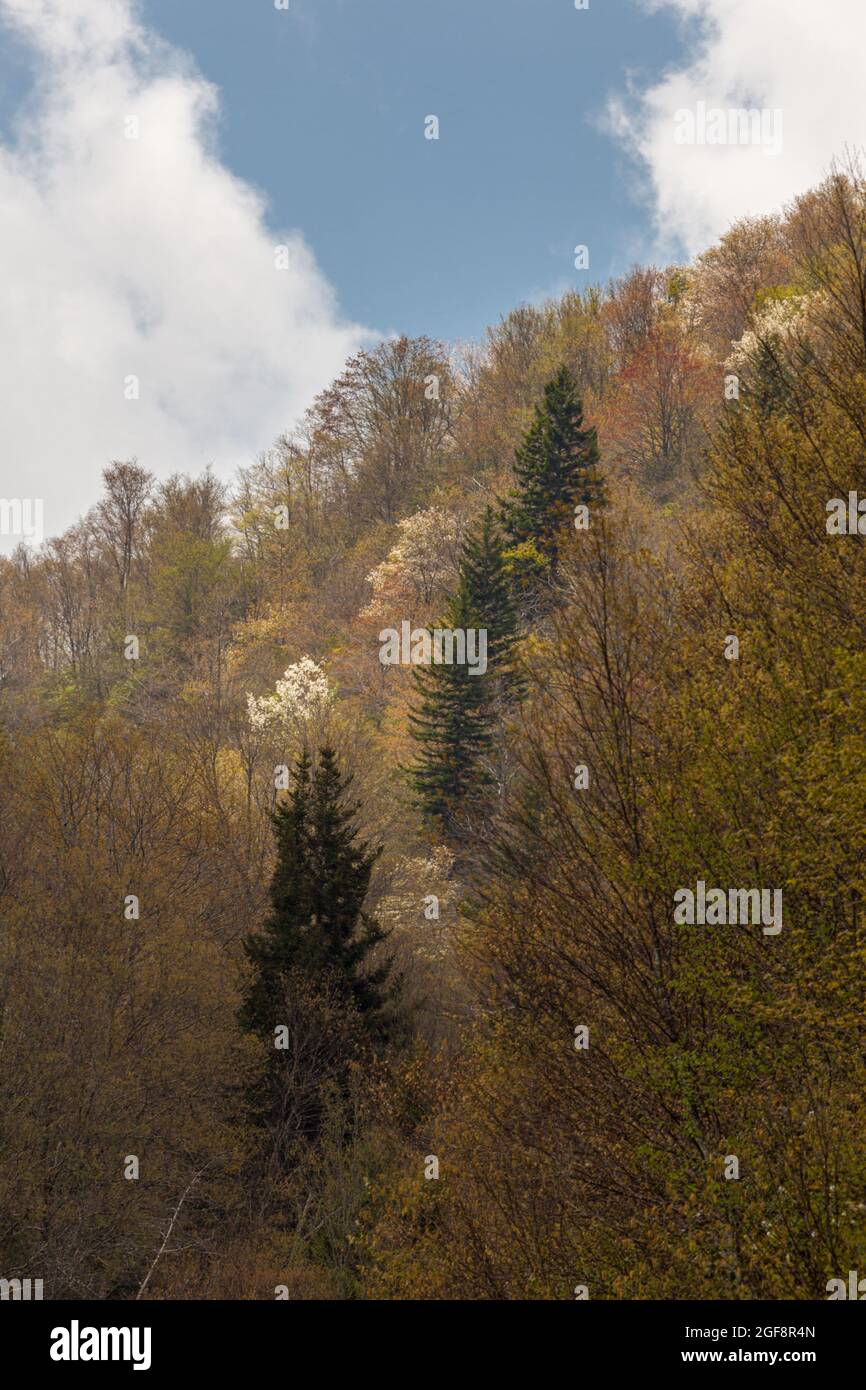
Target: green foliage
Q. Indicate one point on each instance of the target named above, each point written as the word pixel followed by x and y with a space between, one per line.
pixel 317 925
pixel 555 469
pixel 451 725
pixel 459 709
pixel 485 577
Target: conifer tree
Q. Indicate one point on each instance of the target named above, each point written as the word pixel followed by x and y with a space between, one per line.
pixel 484 572
pixel 341 866
pixel 459 710
pixel 316 926
pixel 451 728
pixel 555 468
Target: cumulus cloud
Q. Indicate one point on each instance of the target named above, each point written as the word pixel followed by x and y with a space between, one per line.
pixel 130 251
pixel 801 58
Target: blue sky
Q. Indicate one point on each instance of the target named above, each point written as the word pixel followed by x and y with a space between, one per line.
pixel 323 108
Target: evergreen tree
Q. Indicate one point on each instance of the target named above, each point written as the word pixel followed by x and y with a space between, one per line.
pixel 451 728
pixel 459 711
pixel 555 468
pixel 316 926
pixel 485 574
pixel 341 866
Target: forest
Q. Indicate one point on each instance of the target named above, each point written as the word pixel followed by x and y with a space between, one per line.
pixel 331 972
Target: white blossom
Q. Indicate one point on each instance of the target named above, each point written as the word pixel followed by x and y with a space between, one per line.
pixel 302 693
pixel 420 567
pixel 777 323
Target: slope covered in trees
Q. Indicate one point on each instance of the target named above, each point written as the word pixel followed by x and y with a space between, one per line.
pixel 445 1034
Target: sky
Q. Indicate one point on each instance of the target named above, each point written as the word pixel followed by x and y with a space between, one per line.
pixel 324 109
pixel 208 204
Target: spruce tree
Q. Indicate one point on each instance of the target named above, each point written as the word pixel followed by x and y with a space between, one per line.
pixel 341 866
pixel 451 728
pixel 555 468
pixel 458 712
pixel 485 574
pixel 316 925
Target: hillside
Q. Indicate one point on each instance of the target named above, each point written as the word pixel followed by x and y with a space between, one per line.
pixel 508 1066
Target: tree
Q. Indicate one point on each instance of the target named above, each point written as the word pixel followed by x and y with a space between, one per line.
pixel 460 708
pixel 420 568
pixel 751 256
pixel 667 389
pixel 303 693
pixel 452 728
pixel 121 512
pixel 135 1008
pixel 631 310
pixel 317 925
pixel 378 435
pixel 485 575
pixel 555 468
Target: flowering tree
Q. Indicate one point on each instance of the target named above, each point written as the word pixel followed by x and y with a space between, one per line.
pixel 302 694
pixel 776 325
pixel 420 567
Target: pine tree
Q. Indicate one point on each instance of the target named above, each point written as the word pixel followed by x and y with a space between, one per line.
pixel 555 468
pixel 459 710
pixel 316 926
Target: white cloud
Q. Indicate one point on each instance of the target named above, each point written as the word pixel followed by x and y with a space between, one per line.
pixel 803 58
pixel 142 257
